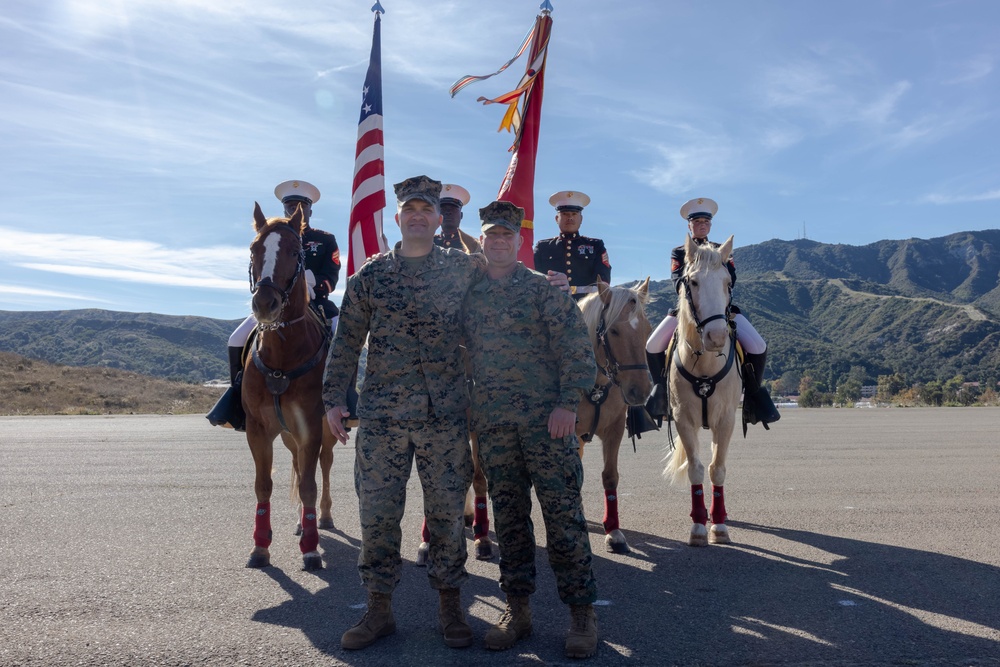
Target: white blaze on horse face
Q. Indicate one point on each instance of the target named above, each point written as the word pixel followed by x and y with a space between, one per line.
pixel 634 320
pixel 272 244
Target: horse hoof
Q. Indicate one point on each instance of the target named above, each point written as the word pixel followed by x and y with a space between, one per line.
pixel 312 561
pixel 298 530
pixel 719 535
pixel 326 524
pixel 258 561
pixel 484 549
pixel 699 536
pixel 422 552
pixel 616 547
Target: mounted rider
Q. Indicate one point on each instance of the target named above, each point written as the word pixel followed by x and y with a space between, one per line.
pixel 757 403
pixel 321 259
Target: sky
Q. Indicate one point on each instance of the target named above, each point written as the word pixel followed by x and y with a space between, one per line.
pixel 137 134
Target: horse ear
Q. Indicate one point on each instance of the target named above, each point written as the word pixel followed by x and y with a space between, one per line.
pixel 727 249
pixel 603 290
pixel 643 289
pixel 297 221
pixel 690 248
pixel 259 221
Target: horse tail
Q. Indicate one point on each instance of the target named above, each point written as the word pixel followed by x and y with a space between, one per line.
pixel 677 464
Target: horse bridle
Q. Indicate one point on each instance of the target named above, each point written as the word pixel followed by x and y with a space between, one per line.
pixel 610 370
pixel 700 324
pixel 285 293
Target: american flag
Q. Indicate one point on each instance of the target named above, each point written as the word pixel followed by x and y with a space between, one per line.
pixel 368 191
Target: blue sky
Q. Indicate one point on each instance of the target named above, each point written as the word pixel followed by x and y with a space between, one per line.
pixel 137 134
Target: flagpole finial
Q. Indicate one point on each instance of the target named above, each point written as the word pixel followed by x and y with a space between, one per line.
pixel 377 7
pixel 545 7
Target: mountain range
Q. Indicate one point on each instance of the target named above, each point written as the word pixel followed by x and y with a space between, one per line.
pixel 928 309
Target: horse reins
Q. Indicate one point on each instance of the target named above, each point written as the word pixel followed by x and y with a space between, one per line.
pixel 703 386
pixel 277 381
pixel 610 370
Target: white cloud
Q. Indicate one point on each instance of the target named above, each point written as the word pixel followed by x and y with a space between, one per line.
pixel 699 160
pixel 21 290
pixel 942 198
pixel 973 69
pixel 125 260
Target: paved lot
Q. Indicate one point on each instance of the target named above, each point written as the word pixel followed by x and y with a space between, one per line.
pixel 861 537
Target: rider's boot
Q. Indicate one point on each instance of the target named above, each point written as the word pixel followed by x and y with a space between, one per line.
pixel 229 408
pixel 581 642
pixel 657 405
pixel 761 407
pixel 638 421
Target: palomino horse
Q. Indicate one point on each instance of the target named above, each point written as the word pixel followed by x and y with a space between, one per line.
pixel 616 320
pixel 704 383
pixel 282 384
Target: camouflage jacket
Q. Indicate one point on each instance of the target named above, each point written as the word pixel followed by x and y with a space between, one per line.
pixel 530 350
pixel 412 321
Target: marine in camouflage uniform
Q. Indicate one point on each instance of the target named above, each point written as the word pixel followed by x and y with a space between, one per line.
pixel 532 360
pixel 412 404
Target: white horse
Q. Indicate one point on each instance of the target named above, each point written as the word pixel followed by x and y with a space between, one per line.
pixel 704 383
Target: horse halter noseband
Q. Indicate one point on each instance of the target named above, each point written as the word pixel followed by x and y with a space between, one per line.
pixel 285 293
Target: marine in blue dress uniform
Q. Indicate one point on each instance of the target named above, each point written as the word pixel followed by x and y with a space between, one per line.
pixel 583 259
pixel 453 198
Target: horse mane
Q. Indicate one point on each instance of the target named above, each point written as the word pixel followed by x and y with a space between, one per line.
pixel 592 305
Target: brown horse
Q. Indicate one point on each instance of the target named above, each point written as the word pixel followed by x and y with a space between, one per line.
pixel 616 319
pixel 283 381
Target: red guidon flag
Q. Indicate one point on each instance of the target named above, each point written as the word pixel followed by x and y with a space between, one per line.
pixel 523 117
pixel 368 191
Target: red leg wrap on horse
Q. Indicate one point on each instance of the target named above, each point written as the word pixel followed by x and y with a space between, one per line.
pixel 481 518
pixel 718 505
pixel 698 512
pixel 610 510
pixel 310 533
pixel 262 526
pixel 425 532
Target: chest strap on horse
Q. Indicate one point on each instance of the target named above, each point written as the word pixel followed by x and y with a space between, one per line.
pixel 597 396
pixel 704 387
pixel 277 381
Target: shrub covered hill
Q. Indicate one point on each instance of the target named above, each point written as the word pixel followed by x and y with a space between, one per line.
pixel 186 349
pixel 926 309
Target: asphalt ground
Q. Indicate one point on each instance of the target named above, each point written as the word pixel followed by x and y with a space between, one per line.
pixel 860 537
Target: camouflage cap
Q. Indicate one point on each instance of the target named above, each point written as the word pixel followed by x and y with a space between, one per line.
pixel 502 213
pixel 419 187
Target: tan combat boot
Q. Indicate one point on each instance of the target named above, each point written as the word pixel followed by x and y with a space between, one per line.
pixel 513 625
pixel 377 622
pixel 457 633
pixel 581 642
